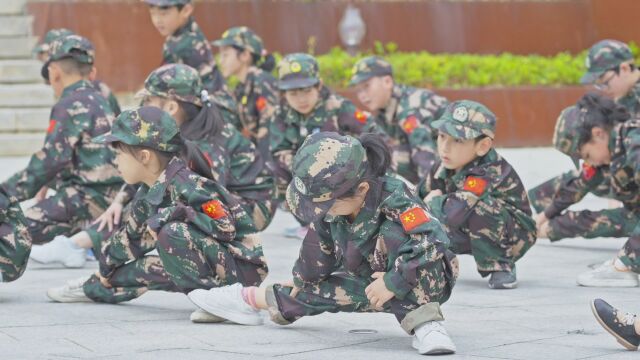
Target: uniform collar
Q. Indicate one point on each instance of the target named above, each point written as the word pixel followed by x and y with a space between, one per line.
pixel 78 85
pixel 156 193
pixel 469 169
pixel 184 28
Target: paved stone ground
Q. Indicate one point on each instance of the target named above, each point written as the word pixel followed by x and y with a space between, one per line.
pixel 547 317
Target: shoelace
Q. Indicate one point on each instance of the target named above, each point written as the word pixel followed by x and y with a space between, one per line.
pixel 628 319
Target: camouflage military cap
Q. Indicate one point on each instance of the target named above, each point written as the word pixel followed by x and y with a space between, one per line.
pixel 603 56
pixel 166 2
pixel 242 37
pixel 147 126
pixel 69 47
pixel 51 36
pixel 369 67
pixel 174 81
pixel 326 166
pixel 564 135
pixel 466 119
pixel 297 71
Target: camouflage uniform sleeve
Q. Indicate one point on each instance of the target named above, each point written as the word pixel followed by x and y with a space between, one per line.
pixel 56 155
pixel 430 183
pixel 265 104
pixel 632 146
pixel 131 241
pixel 418 247
pixel 281 148
pixel 421 141
pixel 317 259
pixel 572 190
pixel 245 163
pixel 352 121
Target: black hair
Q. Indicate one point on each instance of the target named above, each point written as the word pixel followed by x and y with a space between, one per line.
pixel 71 66
pixel 598 111
pixel 265 62
pixel 201 122
pixel 378 160
pixel 189 152
pixel 167 7
pixel 480 138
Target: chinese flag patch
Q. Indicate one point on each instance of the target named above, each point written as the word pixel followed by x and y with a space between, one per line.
pixel 413 218
pixel 588 171
pixel 475 185
pixel 52 126
pixel 360 116
pixel 214 209
pixel 410 124
pixel 261 103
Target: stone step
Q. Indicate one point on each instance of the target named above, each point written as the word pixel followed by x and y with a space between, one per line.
pixel 15 25
pixel 13 7
pixel 20 144
pixel 19 47
pixel 20 71
pixel 24 120
pixel 25 95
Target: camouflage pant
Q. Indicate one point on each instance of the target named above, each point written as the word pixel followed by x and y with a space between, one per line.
pixel 494 237
pixel 630 252
pixel 15 246
pixel 261 212
pixel 341 292
pixel 618 222
pixel 65 213
pixel 188 259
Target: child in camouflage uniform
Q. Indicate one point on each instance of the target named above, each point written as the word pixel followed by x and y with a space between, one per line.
pixel 15 240
pixel 42 53
pixel 81 172
pixel 203 236
pixel 242 54
pixel 477 195
pixel 234 161
pixel 371 246
pixel 308 107
pixel 601 135
pixel 404 113
pixel 611 69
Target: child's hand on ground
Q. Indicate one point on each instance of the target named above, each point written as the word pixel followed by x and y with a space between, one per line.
pixel 377 291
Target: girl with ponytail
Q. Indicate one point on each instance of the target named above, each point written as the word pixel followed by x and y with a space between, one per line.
pixel 202 235
pixel 372 246
pixel 242 54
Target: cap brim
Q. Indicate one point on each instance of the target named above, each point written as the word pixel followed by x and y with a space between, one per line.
pixel 142 93
pixel 297 83
pixel 223 42
pixel 440 125
pixel 44 71
pixel 303 208
pixel 107 138
pixel 355 80
pixel 590 78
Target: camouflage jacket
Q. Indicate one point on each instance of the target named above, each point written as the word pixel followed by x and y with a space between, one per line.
pixel 11 213
pixel 623 173
pixel 487 177
pixel 189 46
pixel 289 128
pixel 392 233
pixel 631 101
pixel 406 120
pixel 180 195
pixel 108 94
pixel 69 157
pixel 257 99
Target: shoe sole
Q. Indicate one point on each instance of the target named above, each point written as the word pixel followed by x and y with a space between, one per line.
pixel 621 340
pixel 436 351
pixel 507 286
pixel 66 300
pixel 237 318
pixel 610 284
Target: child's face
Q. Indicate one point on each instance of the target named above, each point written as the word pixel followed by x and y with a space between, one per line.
pixel 616 84
pixel 130 168
pixel 303 100
pixel 375 93
pixel 169 19
pixel 229 61
pixel 350 205
pixel 456 153
pixel 596 152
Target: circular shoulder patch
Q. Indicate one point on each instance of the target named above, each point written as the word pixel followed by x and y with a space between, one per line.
pixel 224 34
pixel 300 185
pixel 460 114
pixel 587 62
pixel 295 67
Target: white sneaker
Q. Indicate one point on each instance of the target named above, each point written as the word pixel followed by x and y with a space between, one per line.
pixel 200 316
pixel 70 293
pixel 59 250
pixel 607 275
pixel 431 338
pixel 227 303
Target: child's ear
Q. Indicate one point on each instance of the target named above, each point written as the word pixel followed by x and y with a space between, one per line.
pixel 144 156
pixel 187 10
pixel 363 188
pixel 483 146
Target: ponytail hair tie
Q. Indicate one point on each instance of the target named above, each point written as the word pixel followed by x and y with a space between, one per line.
pixel 204 97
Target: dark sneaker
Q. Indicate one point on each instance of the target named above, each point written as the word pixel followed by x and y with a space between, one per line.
pixel 618 324
pixel 503 280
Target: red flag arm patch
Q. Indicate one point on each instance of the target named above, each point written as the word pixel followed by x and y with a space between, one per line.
pixel 475 185
pixel 588 171
pixel 360 116
pixel 261 103
pixel 52 126
pixel 410 124
pixel 214 209
pixel 413 218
